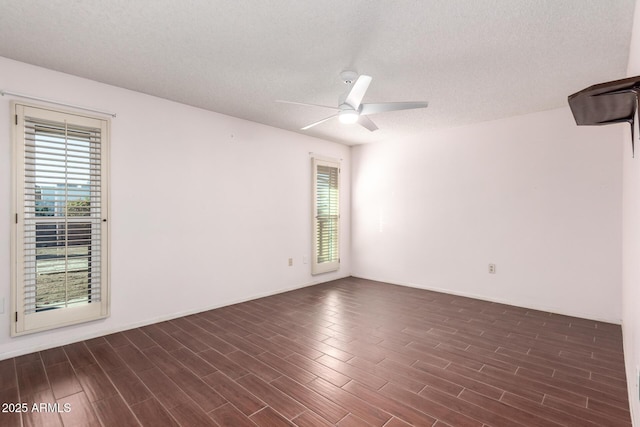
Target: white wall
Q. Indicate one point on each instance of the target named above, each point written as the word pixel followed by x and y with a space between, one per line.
pixel 536 195
pixel 631 243
pixel 193 223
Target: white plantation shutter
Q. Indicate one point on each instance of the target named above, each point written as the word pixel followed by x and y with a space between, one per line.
pixel 60 240
pixel 326 220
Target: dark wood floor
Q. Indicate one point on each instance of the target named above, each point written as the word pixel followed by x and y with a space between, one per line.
pixel 349 353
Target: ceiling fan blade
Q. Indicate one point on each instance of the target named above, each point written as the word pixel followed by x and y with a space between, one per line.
pixel 390 106
pixel 306 105
pixel 318 122
pixel 367 123
pixel 354 98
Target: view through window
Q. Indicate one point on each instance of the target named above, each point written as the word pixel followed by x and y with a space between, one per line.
pixel 61 226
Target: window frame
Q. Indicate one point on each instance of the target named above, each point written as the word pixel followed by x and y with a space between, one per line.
pixel 23 322
pixel 334 263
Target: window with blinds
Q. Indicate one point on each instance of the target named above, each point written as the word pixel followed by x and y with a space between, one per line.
pixel 60 239
pixel 326 220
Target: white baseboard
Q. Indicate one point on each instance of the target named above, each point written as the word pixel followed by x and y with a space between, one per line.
pixel 548 309
pixel 163 318
pixel 157 319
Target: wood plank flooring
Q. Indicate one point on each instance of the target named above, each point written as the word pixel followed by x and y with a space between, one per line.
pixel 349 353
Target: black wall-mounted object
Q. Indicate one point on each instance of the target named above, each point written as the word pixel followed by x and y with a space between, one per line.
pixel 605 103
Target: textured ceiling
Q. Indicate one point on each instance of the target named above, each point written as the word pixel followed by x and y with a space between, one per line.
pixel 473 60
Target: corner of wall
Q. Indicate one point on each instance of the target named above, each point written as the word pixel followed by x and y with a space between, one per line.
pixel 631 242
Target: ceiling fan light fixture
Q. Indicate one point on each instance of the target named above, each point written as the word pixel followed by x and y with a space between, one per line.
pixel 348 117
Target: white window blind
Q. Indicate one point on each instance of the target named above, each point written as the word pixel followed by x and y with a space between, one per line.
pixel 326 210
pixel 60 243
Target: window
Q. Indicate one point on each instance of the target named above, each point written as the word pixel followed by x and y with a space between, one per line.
pixel 59 239
pixel 326 216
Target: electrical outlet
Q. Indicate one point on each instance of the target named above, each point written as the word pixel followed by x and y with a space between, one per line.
pixel 290 262
pixel 305 259
pixel 492 269
pixel 1 305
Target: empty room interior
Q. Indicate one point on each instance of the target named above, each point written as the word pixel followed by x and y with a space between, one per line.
pixel 311 214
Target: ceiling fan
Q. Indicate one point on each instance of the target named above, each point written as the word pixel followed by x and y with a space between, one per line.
pixel 350 108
